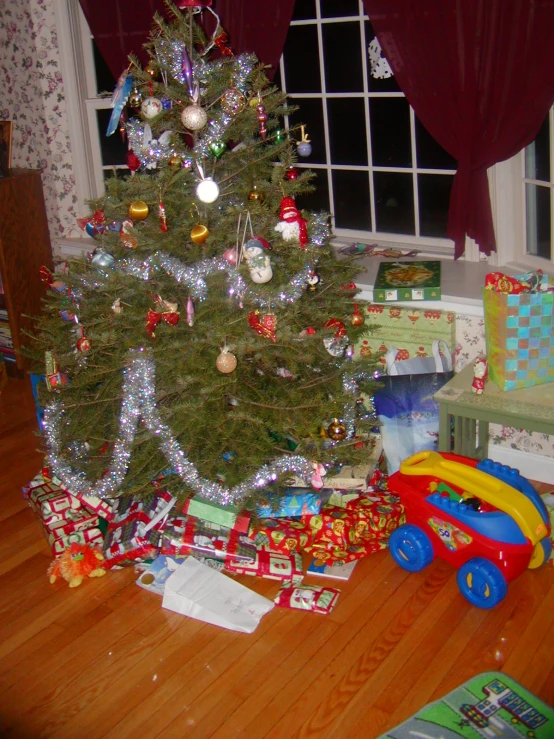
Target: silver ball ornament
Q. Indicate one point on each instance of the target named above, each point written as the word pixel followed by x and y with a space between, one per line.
pixel 102 259
pixel 194 117
pixel 304 149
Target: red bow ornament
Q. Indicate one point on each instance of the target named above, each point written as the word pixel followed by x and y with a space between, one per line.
pixel 169 315
pixel 266 326
pixel 221 42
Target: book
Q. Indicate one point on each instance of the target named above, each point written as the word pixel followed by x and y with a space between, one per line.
pixel 413 280
pixel 335 572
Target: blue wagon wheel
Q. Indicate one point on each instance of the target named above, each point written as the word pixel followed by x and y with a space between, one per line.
pixel 411 548
pixel 482 583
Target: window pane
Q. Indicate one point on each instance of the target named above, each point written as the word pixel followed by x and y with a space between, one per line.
pixel 310 113
pixel 319 199
pixel 113 149
pixel 537 201
pixel 303 10
pixel 342 54
pixel 347 131
pixel 105 81
pixel 351 192
pixel 430 154
pixel 388 85
pixel 537 155
pixel 390 132
pixel 334 9
pixel 302 60
pixel 394 202
pixel 434 199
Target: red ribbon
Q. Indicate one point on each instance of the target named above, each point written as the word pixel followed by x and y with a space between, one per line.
pixel 339 325
pixel 221 43
pixel 153 318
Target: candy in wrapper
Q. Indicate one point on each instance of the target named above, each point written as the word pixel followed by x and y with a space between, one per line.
pixel 308 598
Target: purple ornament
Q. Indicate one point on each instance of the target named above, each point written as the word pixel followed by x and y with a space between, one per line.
pixel 186 68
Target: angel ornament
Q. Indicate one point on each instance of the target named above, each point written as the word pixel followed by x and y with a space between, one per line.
pixel 258 262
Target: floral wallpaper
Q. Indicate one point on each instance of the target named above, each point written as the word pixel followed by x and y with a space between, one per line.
pixel 33 98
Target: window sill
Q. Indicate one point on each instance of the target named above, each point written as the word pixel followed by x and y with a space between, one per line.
pixel 461 284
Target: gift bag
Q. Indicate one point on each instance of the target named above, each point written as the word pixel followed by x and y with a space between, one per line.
pixel 519 336
pixel 408 415
pixel 200 592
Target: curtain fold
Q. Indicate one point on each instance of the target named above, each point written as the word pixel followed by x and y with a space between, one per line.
pixel 121 27
pixel 479 75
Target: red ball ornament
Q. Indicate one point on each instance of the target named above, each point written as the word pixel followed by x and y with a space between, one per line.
pixel 291 173
pixel 83 344
pixel 357 317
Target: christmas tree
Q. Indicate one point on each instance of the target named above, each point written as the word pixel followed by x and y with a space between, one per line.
pixel 205 343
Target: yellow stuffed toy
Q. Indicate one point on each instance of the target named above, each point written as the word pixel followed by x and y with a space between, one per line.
pixel 75 563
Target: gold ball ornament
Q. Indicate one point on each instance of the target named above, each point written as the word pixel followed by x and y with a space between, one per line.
pixel 233 101
pixel 357 318
pixel 135 98
pixel 256 196
pixel 150 70
pixel 336 430
pixel 138 210
pixel 199 234
pixel 176 161
pixel 226 362
pixel 194 117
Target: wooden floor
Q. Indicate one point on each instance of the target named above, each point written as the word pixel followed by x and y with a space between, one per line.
pixel 104 660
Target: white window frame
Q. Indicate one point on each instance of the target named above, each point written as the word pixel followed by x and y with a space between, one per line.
pixel 431 245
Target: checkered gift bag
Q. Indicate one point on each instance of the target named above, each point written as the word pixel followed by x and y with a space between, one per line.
pixel 519 334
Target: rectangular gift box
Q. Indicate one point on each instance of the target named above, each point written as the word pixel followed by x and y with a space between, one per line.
pixel 282 534
pixel 154 506
pixel 228 516
pixel 50 500
pixel 102 506
pixel 294 502
pixel 186 535
pixel 362 527
pixel 59 543
pixel 130 541
pixel 271 565
pixel 413 280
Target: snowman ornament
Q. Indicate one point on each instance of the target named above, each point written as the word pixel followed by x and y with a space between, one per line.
pixel 258 262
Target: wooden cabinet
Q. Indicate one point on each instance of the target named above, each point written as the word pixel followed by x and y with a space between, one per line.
pixel 24 247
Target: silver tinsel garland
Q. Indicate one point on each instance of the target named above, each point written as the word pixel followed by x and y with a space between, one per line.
pixel 139 403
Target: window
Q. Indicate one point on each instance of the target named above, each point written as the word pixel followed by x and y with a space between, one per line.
pixel 539 192
pixel 379 172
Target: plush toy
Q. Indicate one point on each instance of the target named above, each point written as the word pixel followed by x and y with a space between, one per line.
pixel 75 563
pixel 480 374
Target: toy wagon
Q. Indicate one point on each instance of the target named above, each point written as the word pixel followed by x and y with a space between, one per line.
pixel 480 516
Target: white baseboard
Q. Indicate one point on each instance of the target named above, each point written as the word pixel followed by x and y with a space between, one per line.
pixel 532 466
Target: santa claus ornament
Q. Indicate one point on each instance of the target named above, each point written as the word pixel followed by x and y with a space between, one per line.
pixel 292 226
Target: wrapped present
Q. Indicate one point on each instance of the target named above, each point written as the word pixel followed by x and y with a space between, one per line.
pixel 271 565
pixel 59 541
pixel 308 598
pixel 50 502
pixel 411 330
pixel 282 534
pixel 130 541
pixel 363 526
pixel 157 505
pixel 186 535
pixel 228 516
pixel 102 506
pixel 293 502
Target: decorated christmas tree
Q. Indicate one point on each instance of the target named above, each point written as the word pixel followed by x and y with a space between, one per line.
pixel 205 343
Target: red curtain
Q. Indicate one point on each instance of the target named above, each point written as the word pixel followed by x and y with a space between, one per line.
pixel 121 27
pixel 480 76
